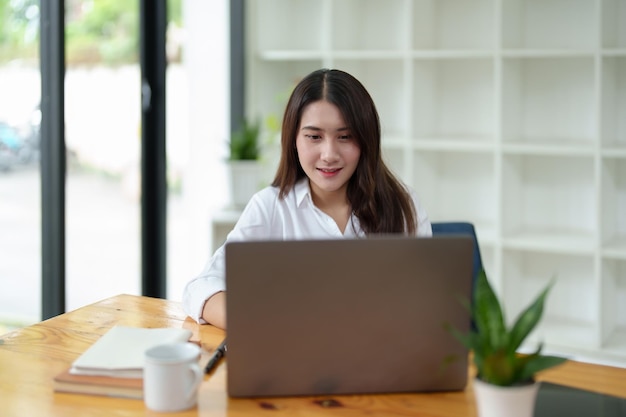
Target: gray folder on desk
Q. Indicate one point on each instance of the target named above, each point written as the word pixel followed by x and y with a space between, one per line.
pixel 347 316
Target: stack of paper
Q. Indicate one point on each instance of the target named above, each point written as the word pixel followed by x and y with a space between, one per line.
pixel 113 365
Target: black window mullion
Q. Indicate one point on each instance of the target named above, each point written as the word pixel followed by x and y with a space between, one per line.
pixel 153 21
pixel 52 58
pixel 237 63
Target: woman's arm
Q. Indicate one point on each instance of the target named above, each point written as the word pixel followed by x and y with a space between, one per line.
pixel 214 310
pixel 204 298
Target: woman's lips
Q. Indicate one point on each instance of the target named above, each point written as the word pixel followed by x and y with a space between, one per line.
pixel 329 172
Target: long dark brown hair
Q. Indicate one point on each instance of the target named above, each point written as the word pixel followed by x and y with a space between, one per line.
pixel 378 199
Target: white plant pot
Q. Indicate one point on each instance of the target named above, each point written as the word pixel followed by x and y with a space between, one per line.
pixel 496 401
pixel 244 179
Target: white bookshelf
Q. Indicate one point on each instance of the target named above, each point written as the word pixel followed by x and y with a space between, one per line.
pixel 510 114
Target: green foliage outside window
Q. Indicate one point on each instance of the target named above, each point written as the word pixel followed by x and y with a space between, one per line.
pixel 97 31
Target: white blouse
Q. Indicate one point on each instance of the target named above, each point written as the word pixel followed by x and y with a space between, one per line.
pixel 267 217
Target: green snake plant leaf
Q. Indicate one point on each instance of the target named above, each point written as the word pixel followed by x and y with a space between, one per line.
pixel 527 320
pixel 494 345
pixel 537 363
pixel 488 314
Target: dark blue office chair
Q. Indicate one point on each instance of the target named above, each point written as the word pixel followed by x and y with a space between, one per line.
pixel 462 228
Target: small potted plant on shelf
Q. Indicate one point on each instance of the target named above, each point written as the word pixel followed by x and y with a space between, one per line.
pixel 505 381
pixel 244 142
pixel 244 168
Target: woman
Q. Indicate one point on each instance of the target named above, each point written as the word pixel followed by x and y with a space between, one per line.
pixel 331 182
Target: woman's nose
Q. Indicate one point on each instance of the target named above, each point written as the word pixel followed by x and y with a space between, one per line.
pixel 329 150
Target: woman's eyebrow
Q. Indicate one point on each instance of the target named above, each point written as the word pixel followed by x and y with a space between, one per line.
pixel 318 129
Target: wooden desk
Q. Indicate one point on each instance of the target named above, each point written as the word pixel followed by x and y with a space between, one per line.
pixel 31 357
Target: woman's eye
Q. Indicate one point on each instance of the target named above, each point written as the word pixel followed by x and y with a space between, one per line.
pixel 313 137
pixel 345 137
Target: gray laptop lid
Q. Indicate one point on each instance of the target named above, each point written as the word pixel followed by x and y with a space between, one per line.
pixel 346 316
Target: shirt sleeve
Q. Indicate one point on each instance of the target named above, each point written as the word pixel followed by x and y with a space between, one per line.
pixel 424 228
pixel 202 287
pixel 252 224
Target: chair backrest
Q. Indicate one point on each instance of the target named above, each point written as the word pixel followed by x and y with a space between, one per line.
pixel 461 228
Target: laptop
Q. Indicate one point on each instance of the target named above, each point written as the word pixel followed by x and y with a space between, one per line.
pixel 355 316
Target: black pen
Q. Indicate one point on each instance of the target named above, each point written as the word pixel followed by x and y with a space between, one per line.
pixel 215 357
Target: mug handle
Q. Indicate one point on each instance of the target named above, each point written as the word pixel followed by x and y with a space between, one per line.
pixel 198 376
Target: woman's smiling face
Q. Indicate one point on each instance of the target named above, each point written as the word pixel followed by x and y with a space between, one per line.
pixel 327 150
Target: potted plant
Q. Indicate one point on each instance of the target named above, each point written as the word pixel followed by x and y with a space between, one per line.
pixel 244 142
pixel 244 170
pixel 505 380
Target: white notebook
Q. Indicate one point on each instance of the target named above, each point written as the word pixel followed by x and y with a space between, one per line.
pixel 120 351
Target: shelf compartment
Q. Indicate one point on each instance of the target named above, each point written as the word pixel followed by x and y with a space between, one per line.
pixel 549 24
pixel 457 186
pixel 527 273
pixel 354 24
pixel 300 15
pixel 549 100
pixel 549 146
pixel 548 202
pixel 615 346
pixel 557 242
pixel 467 144
pixel 454 98
pixel 615 248
pixel 393 142
pixel 452 24
pixel 396 159
pixel 548 53
pixel 614 207
pixel 613 29
pixel 487 238
pixel 572 339
pixel 614 304
pixel 289 55
pixel 389 96
pixel 451 54
pixel 614 103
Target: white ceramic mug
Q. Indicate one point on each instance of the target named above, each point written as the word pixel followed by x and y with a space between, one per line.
pixel 171 377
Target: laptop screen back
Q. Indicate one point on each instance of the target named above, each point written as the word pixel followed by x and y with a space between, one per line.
pixel 347 316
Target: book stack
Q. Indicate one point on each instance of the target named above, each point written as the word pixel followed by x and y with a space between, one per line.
pixel 113 365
